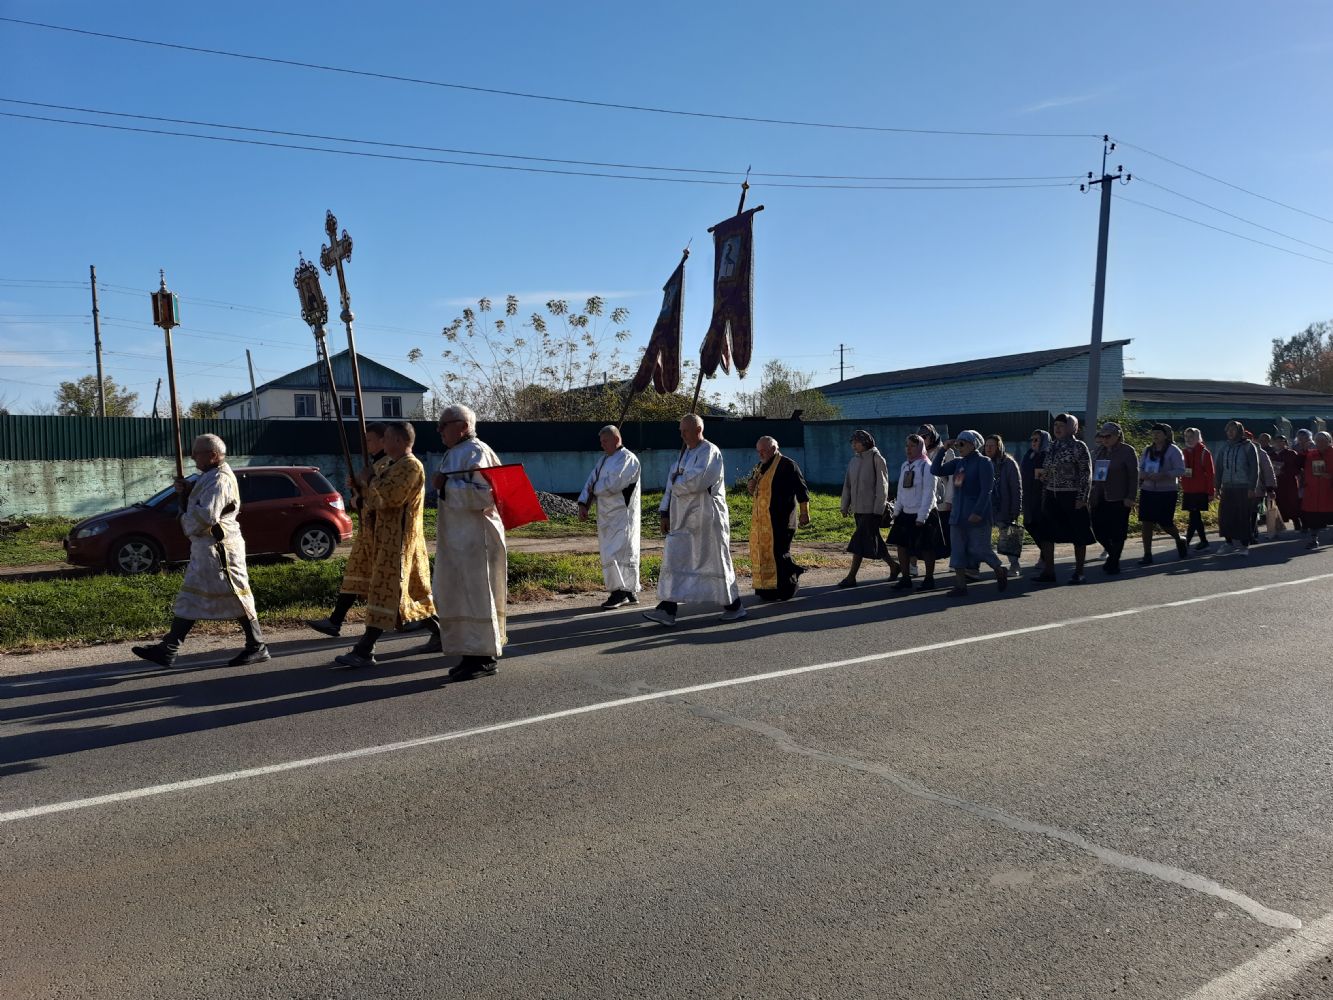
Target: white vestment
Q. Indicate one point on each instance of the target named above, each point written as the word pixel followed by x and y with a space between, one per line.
pixel 471 580
pixel 696 558
pixel 216 585
pixel 614 487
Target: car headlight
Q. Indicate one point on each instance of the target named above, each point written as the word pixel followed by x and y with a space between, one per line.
pixel 90 530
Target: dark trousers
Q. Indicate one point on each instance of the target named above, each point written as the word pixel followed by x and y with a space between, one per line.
pixel 788 571
pixel 1110 523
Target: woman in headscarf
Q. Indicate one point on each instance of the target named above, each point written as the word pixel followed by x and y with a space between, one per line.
pixel 865 493
pixel 1287 469
pixel 970 520
pixel 1160 468
pixel 943 487
pixel 1066 483
pixel 1115 480
pixel 1006 500
pixel 1197 485
pixel 1317 503
pixel 1039 443
pixel 916 530
pixel 1240 486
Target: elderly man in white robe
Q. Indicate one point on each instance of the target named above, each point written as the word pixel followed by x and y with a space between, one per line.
pixel 471 580
pixel 614 488
pixel 696 557
pixel 216 586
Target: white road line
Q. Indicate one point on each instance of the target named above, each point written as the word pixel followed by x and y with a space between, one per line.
pixel 256 772
pixel 1272 966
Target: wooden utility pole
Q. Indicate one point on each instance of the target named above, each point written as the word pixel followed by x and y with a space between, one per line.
pixel 1099 289
pixel 254 394
pixel 97 345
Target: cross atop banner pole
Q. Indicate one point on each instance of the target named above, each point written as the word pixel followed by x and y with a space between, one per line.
pixel 331 257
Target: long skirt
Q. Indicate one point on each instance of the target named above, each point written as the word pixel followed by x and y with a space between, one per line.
pixel 1061 521
pixel 866 541
pixel 922 539
pixel 1235 515
pixel 1157 506
pixel 1110 523
pixel 1313 520
pixel 788 572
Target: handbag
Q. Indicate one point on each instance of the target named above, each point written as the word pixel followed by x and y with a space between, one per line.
pixel 886 518
pixel 1010 542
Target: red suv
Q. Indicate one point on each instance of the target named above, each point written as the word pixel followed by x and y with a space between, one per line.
pixel 284 508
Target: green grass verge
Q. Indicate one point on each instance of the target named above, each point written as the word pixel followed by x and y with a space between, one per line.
pixel 37 544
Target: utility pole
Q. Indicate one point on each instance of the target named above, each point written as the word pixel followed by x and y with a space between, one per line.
pixel 1099 288
pixel 97 346
pixel 156 392
pixel 254 394
pixel 842 362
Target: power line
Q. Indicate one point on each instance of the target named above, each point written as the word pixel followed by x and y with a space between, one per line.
pixel 1219 229
pixel 507 156
pixel 1232 215
pixel 373 74
pixel 1219 180
pixel 529 170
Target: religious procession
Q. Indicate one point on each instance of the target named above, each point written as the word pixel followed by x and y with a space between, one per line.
pixel 964 501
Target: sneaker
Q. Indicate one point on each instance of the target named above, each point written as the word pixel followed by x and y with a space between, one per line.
pixel 660 617
pixel 352 660
pixel 1243 550
pixel 735 614
pixel 159 653
pixel 1102 555
pixel 1015 571
pixel 1182 549
pixel 1001 578
pixel 325 626
pixel 618 599
pixel 248 655
pixel 431 645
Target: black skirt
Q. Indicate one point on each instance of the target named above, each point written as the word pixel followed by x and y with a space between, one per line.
pixel 1195 501
pixel 922 539
pixel 866 541
pixel 1157 506
pixel 1061 521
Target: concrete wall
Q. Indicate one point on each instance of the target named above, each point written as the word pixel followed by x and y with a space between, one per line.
pixel 1056 387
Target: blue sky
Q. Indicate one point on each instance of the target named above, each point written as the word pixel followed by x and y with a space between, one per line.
pixel 1238 90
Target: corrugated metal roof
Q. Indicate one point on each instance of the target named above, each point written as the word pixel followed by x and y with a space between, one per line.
pixel 1206 392
pixel 1009 364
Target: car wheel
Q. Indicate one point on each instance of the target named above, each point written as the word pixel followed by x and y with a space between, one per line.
pixel 314 541
pixel 135 555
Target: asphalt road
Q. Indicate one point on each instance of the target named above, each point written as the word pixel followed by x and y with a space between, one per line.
pixel 1115 790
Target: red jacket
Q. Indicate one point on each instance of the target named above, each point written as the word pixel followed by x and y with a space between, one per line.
pixel 1199 466
pixel 1318 498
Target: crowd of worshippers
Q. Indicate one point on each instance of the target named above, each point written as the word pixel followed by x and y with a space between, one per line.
pixel 964 500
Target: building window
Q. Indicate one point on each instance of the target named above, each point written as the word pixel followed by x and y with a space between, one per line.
pixel 392 406
pixel 348 406
pixel 305 404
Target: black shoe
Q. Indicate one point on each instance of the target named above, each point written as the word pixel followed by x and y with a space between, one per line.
pixel 927 584
pixel 618 599
pixel 1202 546
pixel 1146 560
pixel 957 591
pixel 1078 578
pixel 1182 549
pixel 255 654
pixel 158 653
pixel 431 645
pixel 1044 578
pixel 354 661
pixel 1001 578
pixel 1111 567
pixel 971 576
pixel 847 581
pixel 473 666
pixel 904 584
pixel 895 569
pixel 325 626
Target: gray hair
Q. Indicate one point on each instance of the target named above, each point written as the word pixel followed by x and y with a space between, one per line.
pixel 215 444
pixel 610 430
pixel 1325 437
pixel 768 439
pixel 457 411
pixel 694 420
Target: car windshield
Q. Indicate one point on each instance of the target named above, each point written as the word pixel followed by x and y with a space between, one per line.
pixel 163 495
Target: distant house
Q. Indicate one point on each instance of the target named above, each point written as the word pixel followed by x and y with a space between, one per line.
pixel 1054 380
pixel 388 395
pixel 1173 400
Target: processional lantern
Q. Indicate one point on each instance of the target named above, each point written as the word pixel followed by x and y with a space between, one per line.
pixel 167 315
